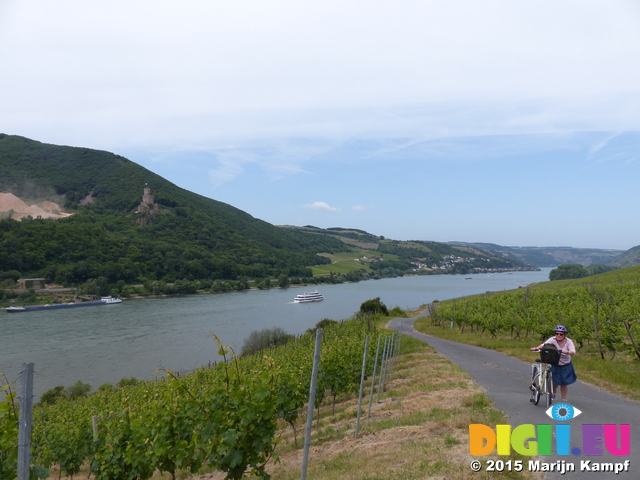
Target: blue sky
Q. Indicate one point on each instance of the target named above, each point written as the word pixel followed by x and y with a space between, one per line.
pixel 514 123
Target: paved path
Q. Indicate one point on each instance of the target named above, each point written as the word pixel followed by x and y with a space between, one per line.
pixel 506 380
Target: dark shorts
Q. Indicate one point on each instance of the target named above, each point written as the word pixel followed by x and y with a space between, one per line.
pixel 563 374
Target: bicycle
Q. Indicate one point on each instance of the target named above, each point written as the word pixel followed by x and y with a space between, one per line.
pixel 541 382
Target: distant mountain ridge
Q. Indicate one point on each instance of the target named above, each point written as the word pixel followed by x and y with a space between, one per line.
pixel 627 259
pixel 420 257
pixel 551 256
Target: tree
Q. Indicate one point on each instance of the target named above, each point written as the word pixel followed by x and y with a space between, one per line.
pixel 374 307
pixel 567 271
pixel 283 280
pixel 264 284
pixel 103 286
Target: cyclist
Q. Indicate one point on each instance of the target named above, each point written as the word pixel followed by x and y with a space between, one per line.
pixel 563 374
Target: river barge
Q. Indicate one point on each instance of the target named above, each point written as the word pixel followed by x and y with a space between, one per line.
pixel 55 306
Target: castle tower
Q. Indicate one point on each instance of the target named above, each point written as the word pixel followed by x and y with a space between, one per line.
pixel 148 202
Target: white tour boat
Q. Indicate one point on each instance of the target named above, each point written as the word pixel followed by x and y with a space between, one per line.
pixel 308 297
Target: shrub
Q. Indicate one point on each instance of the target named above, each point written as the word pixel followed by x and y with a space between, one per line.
pixel 78 389
pixel 374 307
pixel 259 340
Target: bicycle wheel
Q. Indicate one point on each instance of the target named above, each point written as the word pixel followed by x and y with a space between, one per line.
pixel 535 386
pixel 549 388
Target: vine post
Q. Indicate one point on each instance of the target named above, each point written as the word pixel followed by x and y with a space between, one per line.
pixel 595 330
pixel 362 378
pixel 633 341
pixel 312 399
pixel 373 377
pixel 383 364
pixel 24 426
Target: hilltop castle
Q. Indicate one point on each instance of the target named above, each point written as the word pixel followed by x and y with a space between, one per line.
pixel 148 204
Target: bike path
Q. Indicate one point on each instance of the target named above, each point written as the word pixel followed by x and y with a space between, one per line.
pixel 506 380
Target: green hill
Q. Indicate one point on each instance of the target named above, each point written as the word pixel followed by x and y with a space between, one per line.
pixel 185 236
pixel 629 258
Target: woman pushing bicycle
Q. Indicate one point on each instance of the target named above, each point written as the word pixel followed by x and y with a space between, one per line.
pixel 563 374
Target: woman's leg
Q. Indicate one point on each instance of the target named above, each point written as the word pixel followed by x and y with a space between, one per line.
pixel 564 389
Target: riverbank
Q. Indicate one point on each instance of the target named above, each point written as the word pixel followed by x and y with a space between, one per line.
pixel 136 338
pixel 58 294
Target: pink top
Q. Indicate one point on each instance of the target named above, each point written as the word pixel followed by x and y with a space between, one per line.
pixel 568 345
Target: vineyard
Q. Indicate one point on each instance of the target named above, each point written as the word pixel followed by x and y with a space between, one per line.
pixel 225 417
pixel 601 312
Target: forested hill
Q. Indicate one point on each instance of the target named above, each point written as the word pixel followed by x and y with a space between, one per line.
pixel 182 236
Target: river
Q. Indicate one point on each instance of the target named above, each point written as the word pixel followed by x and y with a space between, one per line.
pixel 138 337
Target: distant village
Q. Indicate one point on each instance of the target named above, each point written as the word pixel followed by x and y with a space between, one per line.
pixel 449 261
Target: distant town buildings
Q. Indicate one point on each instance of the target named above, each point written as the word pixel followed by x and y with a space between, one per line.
pixel 449 261
pixel 25 284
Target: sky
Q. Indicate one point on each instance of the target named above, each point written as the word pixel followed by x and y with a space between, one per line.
pixel 507 122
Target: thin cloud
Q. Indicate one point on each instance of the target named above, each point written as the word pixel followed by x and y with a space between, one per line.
pixel 601 144
pixel 357 208
pixel 618 148
pixel 227 170
pixel 322 206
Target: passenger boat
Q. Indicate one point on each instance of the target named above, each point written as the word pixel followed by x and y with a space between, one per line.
pixel 102 301
pixel 308 297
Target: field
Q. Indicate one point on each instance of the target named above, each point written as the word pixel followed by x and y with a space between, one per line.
pixel 345 262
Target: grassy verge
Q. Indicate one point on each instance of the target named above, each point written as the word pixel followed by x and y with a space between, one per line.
pixel 620 374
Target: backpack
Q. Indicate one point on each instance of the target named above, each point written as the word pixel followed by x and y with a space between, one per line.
pixel 550 354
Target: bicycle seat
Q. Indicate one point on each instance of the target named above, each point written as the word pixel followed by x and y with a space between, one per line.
pixel 538 360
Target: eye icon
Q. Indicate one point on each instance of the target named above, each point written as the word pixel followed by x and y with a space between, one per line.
pixel 563 412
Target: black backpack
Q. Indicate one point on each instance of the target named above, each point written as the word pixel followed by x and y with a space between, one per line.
pixel 550 354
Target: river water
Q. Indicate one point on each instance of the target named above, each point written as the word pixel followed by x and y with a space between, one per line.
pixel 138 337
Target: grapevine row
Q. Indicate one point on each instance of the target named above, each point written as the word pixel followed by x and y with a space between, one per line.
pixel 603 310
pixel 225 417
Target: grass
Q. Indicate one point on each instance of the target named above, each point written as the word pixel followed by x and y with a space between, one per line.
pixel 345 262
pixel 620 374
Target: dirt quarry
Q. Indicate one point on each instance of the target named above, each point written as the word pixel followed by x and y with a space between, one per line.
pixel 14 208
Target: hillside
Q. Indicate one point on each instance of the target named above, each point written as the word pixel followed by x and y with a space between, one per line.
pixel 183 235
pixel 627 259
pixel 386 257
pixel 549 256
